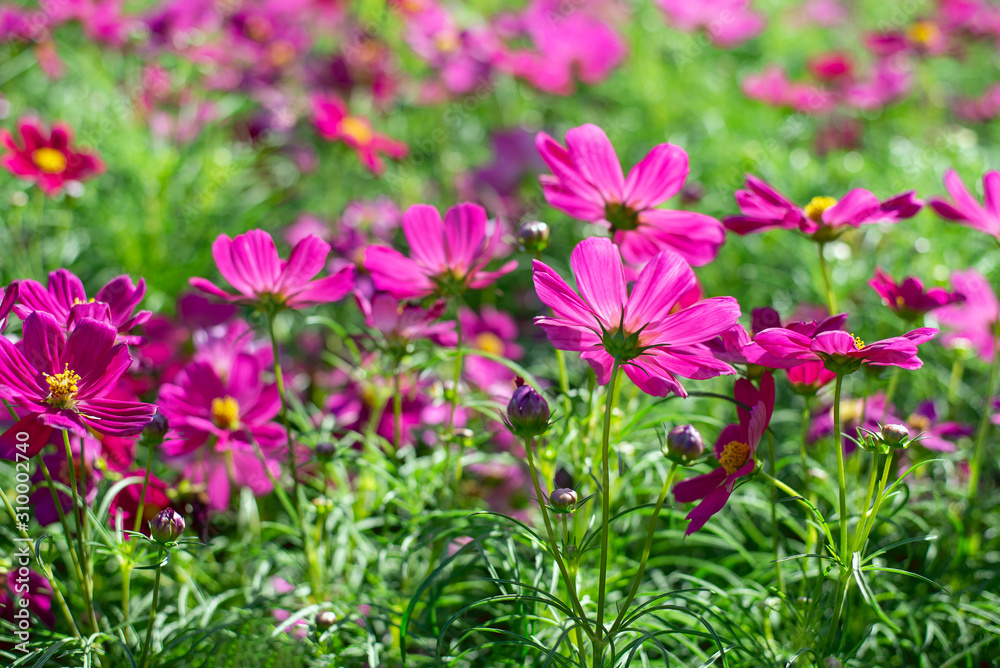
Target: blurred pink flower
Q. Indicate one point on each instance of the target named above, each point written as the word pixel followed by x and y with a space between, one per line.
pixel 782 348
pixel 335 123
pixel 728 23
pixel 494 332
pixel 908 299
pixel 964 208
pixel 47 158
pixel 975 322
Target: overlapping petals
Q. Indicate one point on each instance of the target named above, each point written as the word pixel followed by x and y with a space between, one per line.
pixel 782 348
pixel 47 158
pixel 909 298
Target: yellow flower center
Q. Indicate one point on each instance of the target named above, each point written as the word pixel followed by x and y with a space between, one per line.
pixel 918 423
pixel 923 32
pixel 858 343
pixel 62 388
pixel 357 129
pixel 816 206
pixel 734 455
pixel 77 300
pixel 490 342
pixel 446 42
pixel 50 160
pixel 281 53
pixel 226 413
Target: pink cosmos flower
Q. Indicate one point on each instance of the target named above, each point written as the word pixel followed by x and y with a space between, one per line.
pixel 734 449
pixel 495 332
pixel 8 297
pixel 727 22
pixel 126 502
pixel 773 87
pixel 603 322
pixel 64 382
pixel 88 476
pixel 448 256
pixel 215 420
pixel 909 299
pixel 974 322
pixel 980 109
pixel 402 323
pixel 782 348
pixel 936 435
pixel 964 208
pixel 32 592
pixel 66 300
pixel 47 158
pixel 251 264
pixel 856 414
pixel 335 123
pixel 587 183
pixel 809 377
pixel 824 218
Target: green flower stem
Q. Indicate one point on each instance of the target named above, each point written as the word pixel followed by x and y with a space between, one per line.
pixel 976 464
pixel 137 527
pixel 554 547
pixel 863 532
pixel 844 581
pixel 144 660
pixel 957 370
pixel 774 514
pixel 890 391
pixel 599 638
pixel 78 515
pixel 56 591
pixel 647 548
pixel 830 297
pixel 397 410
pixel 811 535
pixel 73 551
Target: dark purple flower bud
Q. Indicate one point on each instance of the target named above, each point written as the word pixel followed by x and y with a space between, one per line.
pixel 156 430
pixel 763 318
pixel 896 436
pixel 325 619
pixel 563 500
pixel 325 451
pixel 167 526
pixel 692 193
pixel 527 412
pixel 831 662
pixel 533 236
pixel 684 444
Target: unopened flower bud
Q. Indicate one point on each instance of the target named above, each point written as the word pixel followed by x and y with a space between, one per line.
pixel 325 619
pixel 167 526
pixel 527 412
pixel 896 435
pixel 763 318
pixel 533 236
pixel 570 551
pixel 325 451
pixel 684 444
pixel 156 430
pixel 563 500
pixel 831 662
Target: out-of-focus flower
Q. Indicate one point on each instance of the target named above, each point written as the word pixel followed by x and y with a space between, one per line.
pixel 980 109
pixel 47 158
pixel 401 323
pixel 127 501
pixel 823 218
pixel 250 263
pixel 605 323
pixel 964 208
pixel 908 299
pixel 934 434
pixel 8 296
pixel 856 417
pixel 448 256
pixel 33 593
pixel 974 322
pixel 334 122
pixel 494 332
pixel 727 22
pixel 587 183
pixel 734 449
pixel 88 475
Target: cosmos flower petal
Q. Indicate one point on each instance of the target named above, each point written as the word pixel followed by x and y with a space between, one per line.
pixel 595 158
pixel 424 232
pixel 657 177
pixel 395 273
pixel 600 276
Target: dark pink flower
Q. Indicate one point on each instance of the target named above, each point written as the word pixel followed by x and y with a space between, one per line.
pixel 47 158
pixel 855 415
pixel 64 382
pixel 251 264
pixel 727 22
pixel 980 109
pixel 126 502
pixel 603 322
pixel 909 299
pixel 447 256
pixel 32 592
pixel 66 300
pixel 824 218
pixel 8 296
pixel 964 208
pixel 335 123
pixel 809 377
pixel 88 476
pixel 587 183
pixel 975 322
pixel 734 449
pixel 774 88
pixel 401 323
pixel 782 348
pixel 494 332
pixel 933 434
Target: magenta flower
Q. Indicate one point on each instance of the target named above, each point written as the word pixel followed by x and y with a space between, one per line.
pixel 727 22
pixel 402 323
pixel 974 322
pixel 495 332
pixel 66 300
pixel 603 322
pixel 47 158
pixel 734 449
pixel 782 348
pixel 64 382
pixel 773 87
pixel 856 415
pixel 935 435
pixel 251 264
pixel 126 502
pixel 964 208
pixel 32 592
pixel 809 377
pixel 823 218
pixel 587 183
pixel 215 420
pixel 335 123
pixel 908 299
pixel 448 256
pixel 8 297
pixel 88 476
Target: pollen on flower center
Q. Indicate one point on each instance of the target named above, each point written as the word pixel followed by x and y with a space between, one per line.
pixel 620 216
pixel 918 422
pixel 281 53
pixel 922 32
pixel 815 208
pixel 62 388
pixel 490 342
pixel 858 343
pixel 734 455
pixel 356 128
pixel 446 41
pixel 77 300
pixel 226 413
pixel 50 160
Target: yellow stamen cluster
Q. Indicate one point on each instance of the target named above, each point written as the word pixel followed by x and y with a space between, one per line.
pixel 446 41
pixel 918 423
pixel 357 129
pixel 816 206
pixel 858 343
pixel 49 160
pixel 923 32
pixel 77 300
pixel 62 388
pixel 490 342
pixel 226 413
pixel 734 455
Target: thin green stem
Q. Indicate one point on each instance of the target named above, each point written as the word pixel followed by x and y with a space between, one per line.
pixel 976 465
pixel 774 514
pixel 73 550
pixel 890 391
pixel 869 523
pixel 842 494
pixel 957 370
pixel 806 485
pixel 830 297
pixel 78 513
pixel 647 548
pixel 605 514
pixel 152 610
pixel 397 410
